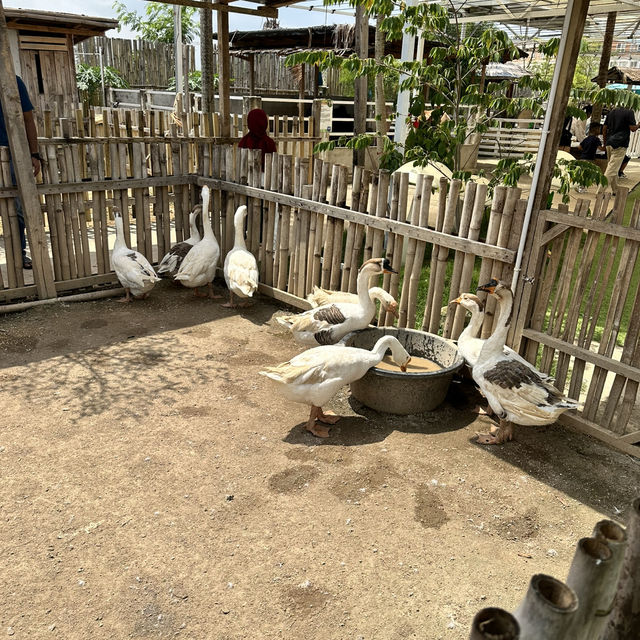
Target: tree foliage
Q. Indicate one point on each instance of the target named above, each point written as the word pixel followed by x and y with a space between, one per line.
pixel 88 78
pixel 157 22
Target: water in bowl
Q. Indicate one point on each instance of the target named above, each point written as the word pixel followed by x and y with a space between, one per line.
pixel 417 365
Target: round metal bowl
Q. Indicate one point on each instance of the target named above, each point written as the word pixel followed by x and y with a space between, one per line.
pixel 406 393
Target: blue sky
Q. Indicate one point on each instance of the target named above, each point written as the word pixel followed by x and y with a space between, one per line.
pixel 103 9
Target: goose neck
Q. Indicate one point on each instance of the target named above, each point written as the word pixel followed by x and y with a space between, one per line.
pixel 498 338
pixel 239 229
pixel 364 296
pixel 473 328
pixel 120 242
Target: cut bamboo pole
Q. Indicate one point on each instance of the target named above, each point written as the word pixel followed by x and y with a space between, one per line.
pixel 75 174
pixel 547 611
pixel 494 624
pixel 230 176
pixel 305 238
pixel 12 246
pixel 624 622
pixel 593 578
pixel 60 223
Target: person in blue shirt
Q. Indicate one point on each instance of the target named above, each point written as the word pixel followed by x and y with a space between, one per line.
pixel 591 144
pixel 32 137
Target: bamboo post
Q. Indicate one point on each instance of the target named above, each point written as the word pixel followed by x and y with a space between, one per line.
pixel 418 260
pixel 381 211
pixel 396 240
pixel 411 252
pixel 358 239
pixel 18 143
pixel 430 302
pixel 329 224
pixel 442 255
pixel 271 174
pixel 356 183
pixel 624 622
pixel 494 624
pixel 285 221
pixel 593 579
pixel 338 231
pixel 547 610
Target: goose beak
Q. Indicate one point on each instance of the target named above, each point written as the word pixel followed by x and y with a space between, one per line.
pixel 388 270
pixel 393 309
pixel 490 287
pixel 456 301
pixel 403 368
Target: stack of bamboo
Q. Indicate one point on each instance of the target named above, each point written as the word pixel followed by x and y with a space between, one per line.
pixel 599 601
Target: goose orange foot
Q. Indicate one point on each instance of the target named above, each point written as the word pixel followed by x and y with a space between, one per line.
pixel 316 429
pixel 499 435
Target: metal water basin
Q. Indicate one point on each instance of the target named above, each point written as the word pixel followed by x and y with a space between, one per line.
pixel 406 393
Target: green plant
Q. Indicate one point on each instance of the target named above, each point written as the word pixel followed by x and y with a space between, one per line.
pixel 157 22
pixel 88 78
pixel 195 81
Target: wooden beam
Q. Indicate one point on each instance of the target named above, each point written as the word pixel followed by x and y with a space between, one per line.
pixel 605 57
pixel 21 158
pixel 224 79
pixel 206 60
pixel 74 31
pixel 265 12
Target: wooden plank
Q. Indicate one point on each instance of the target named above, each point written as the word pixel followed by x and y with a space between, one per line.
pixel 597 359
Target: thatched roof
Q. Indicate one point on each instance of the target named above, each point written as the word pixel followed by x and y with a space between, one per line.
pixel 622 75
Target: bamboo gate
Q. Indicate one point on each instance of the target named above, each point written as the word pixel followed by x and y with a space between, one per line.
pixel 311 224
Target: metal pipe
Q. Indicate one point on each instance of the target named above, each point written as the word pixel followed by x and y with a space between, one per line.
pixel 543 144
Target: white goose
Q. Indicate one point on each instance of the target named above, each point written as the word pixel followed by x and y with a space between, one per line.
pixel 331 322
pixel 240 266
pixel 518 394
pixel 134 271
pixel 469 345
pixel 315 376
pixel 170 264
pixel 319 297
pixel 199 265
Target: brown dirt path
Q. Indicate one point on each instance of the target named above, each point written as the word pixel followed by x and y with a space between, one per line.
pixel 154 486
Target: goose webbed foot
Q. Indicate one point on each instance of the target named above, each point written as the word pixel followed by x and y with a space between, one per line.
pixel 497 435
pixel 317 430
pixel 210 294
pixel 127 297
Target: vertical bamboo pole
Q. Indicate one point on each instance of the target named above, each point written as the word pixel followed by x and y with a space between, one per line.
pixel 381 212
pixel 624 622
pixel 547 610
pixel 271 218
pixel 284 223
pixel 360 232
pixel 351 229
pixel 411 252
pixel 338 231
pixel 329 224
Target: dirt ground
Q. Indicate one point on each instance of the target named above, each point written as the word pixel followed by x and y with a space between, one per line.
pixel 154 486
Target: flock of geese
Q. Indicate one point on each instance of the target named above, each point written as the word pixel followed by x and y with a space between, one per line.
pixel 516 391
pixel 192 263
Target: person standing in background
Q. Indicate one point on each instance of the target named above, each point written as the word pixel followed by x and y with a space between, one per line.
pixel 618 125
pixel 32 138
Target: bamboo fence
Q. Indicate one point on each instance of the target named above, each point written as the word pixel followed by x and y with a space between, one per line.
pixel 312 224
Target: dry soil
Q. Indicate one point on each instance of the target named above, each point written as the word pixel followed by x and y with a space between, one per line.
pixel 155 486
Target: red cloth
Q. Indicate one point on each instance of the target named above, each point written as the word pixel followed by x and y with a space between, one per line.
pixel 257 137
